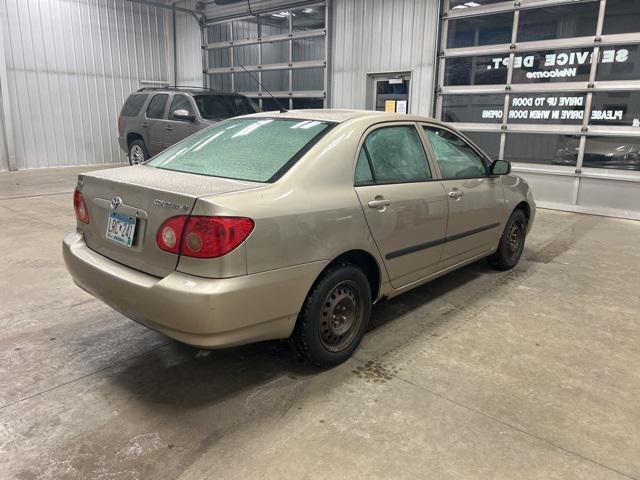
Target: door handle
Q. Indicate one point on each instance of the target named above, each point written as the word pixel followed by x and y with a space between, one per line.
pixel 379 203
pixel 145 124
pixel 455 194
pixel 169 127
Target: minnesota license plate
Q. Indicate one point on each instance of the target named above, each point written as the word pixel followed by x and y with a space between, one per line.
pixel 121 228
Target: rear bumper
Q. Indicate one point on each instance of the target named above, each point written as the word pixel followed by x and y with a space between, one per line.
pixel 198 311
pixel 122 141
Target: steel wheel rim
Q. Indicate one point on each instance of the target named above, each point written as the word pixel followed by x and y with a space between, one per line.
pixel 340 317
pixel 514 239
pixel 136 155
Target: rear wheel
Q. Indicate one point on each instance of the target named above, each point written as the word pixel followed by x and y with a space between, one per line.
pixel 334 317
pixel 511 243
pixel 137 152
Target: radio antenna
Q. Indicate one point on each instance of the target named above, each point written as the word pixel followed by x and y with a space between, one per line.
pixel 282 109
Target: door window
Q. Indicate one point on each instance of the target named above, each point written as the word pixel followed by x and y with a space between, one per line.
pixel 392 155
pixel 392 95
pixel 180 102
pixel 156 105
pixel 456 158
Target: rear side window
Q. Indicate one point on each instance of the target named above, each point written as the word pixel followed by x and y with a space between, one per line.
pixel 394 155
pixel 156 105
pixel 132 106
pixel 254 149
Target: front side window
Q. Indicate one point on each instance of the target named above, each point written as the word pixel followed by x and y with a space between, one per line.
pixel 253 149
pixel 180 102
pixel 394 155
pixel 156 105
pixel 455 157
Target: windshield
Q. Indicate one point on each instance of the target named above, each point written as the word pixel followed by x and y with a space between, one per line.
pixel 217 107
pixel 254 149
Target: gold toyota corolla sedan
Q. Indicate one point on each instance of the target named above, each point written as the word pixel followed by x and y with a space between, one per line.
pixel 291 225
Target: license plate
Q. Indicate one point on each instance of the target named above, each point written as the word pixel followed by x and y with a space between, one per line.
pixel 121 228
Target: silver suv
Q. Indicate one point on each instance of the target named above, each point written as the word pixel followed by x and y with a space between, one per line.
pixel 153 119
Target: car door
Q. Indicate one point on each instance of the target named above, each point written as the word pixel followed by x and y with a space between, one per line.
pixel 179 128
pixel 406 210
pixel 154 124
pixel 475 198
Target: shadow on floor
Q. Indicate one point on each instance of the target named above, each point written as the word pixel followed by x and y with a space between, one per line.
pixel 180 375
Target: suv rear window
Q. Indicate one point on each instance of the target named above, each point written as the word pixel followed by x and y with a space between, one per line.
pixel 132 106
pixel 254 149
pixel 217 107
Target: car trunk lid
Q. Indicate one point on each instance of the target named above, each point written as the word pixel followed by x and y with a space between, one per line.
pixel 148 196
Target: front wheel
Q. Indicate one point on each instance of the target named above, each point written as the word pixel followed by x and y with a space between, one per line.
pixel 334 317
pixel 511 243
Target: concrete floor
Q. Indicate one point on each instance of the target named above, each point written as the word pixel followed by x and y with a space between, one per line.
pixel 532 373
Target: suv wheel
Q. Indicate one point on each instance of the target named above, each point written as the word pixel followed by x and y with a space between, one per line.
pixel 511 243
pixel 334 317
pixel 137 152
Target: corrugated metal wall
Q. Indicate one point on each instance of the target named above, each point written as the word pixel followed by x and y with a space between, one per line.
pixel 371 36
pixel 70 66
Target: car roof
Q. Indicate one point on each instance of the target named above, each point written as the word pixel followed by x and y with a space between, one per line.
pixel 192 91
pixel 343 115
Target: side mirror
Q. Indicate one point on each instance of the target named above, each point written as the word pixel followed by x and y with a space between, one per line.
pixel 500 167
pixel 182 114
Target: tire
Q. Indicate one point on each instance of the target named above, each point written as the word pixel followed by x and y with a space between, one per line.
pixel 137 152
pixel 511 243
pixel 334 316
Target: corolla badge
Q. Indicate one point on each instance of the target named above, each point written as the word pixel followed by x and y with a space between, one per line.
pixel 115 202
pixel 169 204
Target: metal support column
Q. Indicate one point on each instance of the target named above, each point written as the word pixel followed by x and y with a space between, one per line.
pixel 7 124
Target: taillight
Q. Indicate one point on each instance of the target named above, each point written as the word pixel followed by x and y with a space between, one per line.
pixel 169 234
pixel 201 236
pixel 80 207
pixel 120 124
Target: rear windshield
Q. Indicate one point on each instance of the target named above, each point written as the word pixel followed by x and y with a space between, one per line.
pixel 218 107
pixel 254 149
pixel 133 105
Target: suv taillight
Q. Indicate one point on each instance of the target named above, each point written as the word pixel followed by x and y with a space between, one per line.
pixel 201 236
pixel 120 125
pixel 80 207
